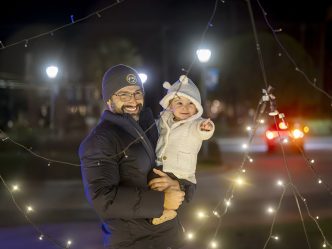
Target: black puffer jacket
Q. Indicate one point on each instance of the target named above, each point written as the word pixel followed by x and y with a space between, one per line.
pixel 114 171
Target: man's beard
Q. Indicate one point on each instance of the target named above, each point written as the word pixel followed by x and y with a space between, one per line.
pixel 134 115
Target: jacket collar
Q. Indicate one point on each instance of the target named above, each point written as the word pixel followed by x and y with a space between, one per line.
pixel 127 123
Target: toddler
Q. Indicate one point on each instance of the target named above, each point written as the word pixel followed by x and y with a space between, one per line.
pixel 181 132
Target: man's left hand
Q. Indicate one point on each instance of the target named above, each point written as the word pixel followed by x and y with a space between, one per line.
pixel 163 182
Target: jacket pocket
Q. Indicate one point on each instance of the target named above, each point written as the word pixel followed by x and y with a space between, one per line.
pixel 186 162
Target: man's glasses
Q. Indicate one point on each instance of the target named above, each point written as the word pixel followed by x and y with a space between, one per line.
pixel 124 97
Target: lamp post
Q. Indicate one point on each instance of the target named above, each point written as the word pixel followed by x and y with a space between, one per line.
pixel 52 72
pixel 203 55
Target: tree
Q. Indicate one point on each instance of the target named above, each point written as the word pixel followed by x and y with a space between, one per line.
pixel 242 79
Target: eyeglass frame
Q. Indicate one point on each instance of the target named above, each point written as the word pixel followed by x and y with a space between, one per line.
pixel 130 95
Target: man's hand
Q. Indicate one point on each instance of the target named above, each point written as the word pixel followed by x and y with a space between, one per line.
pixel 163 182
pixel 206 125
pixel 173 199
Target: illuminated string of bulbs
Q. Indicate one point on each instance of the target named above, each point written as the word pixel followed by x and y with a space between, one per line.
pixel 28 210
pixel 238 181
pixel 274 112
pixel 310 163
pixel 51 32
pixel 230 195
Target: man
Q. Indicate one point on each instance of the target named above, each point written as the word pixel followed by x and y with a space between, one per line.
pixel 116 158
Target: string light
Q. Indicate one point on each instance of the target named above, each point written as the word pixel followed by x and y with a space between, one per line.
pixel 239 181
pixel 69 242
pixel 72 19
pixel 261 121
pixel 248 128
pixel 280 183
pixel 275 237
pixel 320 181
pixel 201 215
pixel 15 188
pixel 278 30
pixel 244 146
pixel 270 210
pixel 29 209
pixel 41 237
pixel 213 244
pixel 312 161
pixel 215 213
pixel 190 236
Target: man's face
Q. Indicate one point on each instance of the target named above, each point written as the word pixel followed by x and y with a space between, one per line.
pixel 129 100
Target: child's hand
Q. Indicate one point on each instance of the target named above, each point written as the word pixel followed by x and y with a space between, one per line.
pixel 206 125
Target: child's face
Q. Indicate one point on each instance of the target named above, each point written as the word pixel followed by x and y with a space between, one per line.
pixel 182 108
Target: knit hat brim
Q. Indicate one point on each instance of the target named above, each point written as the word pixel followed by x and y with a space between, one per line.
pixel 118 77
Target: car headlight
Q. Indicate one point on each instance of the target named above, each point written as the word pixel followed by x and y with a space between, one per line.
pixel 296 134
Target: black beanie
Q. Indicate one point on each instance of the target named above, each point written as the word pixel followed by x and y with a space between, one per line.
pixel 118 77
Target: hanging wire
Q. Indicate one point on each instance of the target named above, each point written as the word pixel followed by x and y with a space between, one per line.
pixel 296 67
pixel 51 32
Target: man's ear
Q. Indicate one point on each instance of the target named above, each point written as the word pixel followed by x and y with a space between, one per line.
pixel 109 104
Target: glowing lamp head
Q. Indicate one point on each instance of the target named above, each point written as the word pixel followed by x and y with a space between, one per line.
pixel 52 71
pixel 203 55
pixel 143 77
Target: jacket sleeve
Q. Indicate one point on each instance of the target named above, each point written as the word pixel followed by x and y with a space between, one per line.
pixel 101 178
pixel 196 130
pixel 186 186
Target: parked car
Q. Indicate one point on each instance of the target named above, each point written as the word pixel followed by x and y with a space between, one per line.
pixel 290 134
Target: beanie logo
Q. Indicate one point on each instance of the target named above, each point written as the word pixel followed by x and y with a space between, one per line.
pixel 131 78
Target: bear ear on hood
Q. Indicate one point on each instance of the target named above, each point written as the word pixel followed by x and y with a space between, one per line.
pixel 167 85
pixel 184 79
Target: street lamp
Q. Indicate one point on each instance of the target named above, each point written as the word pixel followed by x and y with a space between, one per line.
pixel 143 77
pixel 52 72
pixel 203 55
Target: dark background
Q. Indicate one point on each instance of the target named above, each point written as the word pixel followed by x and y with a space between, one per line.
pixel 160 38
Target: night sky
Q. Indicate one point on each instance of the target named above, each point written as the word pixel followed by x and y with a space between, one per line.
pixel 164 54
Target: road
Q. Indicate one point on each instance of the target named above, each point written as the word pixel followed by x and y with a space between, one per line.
pixel 63 213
